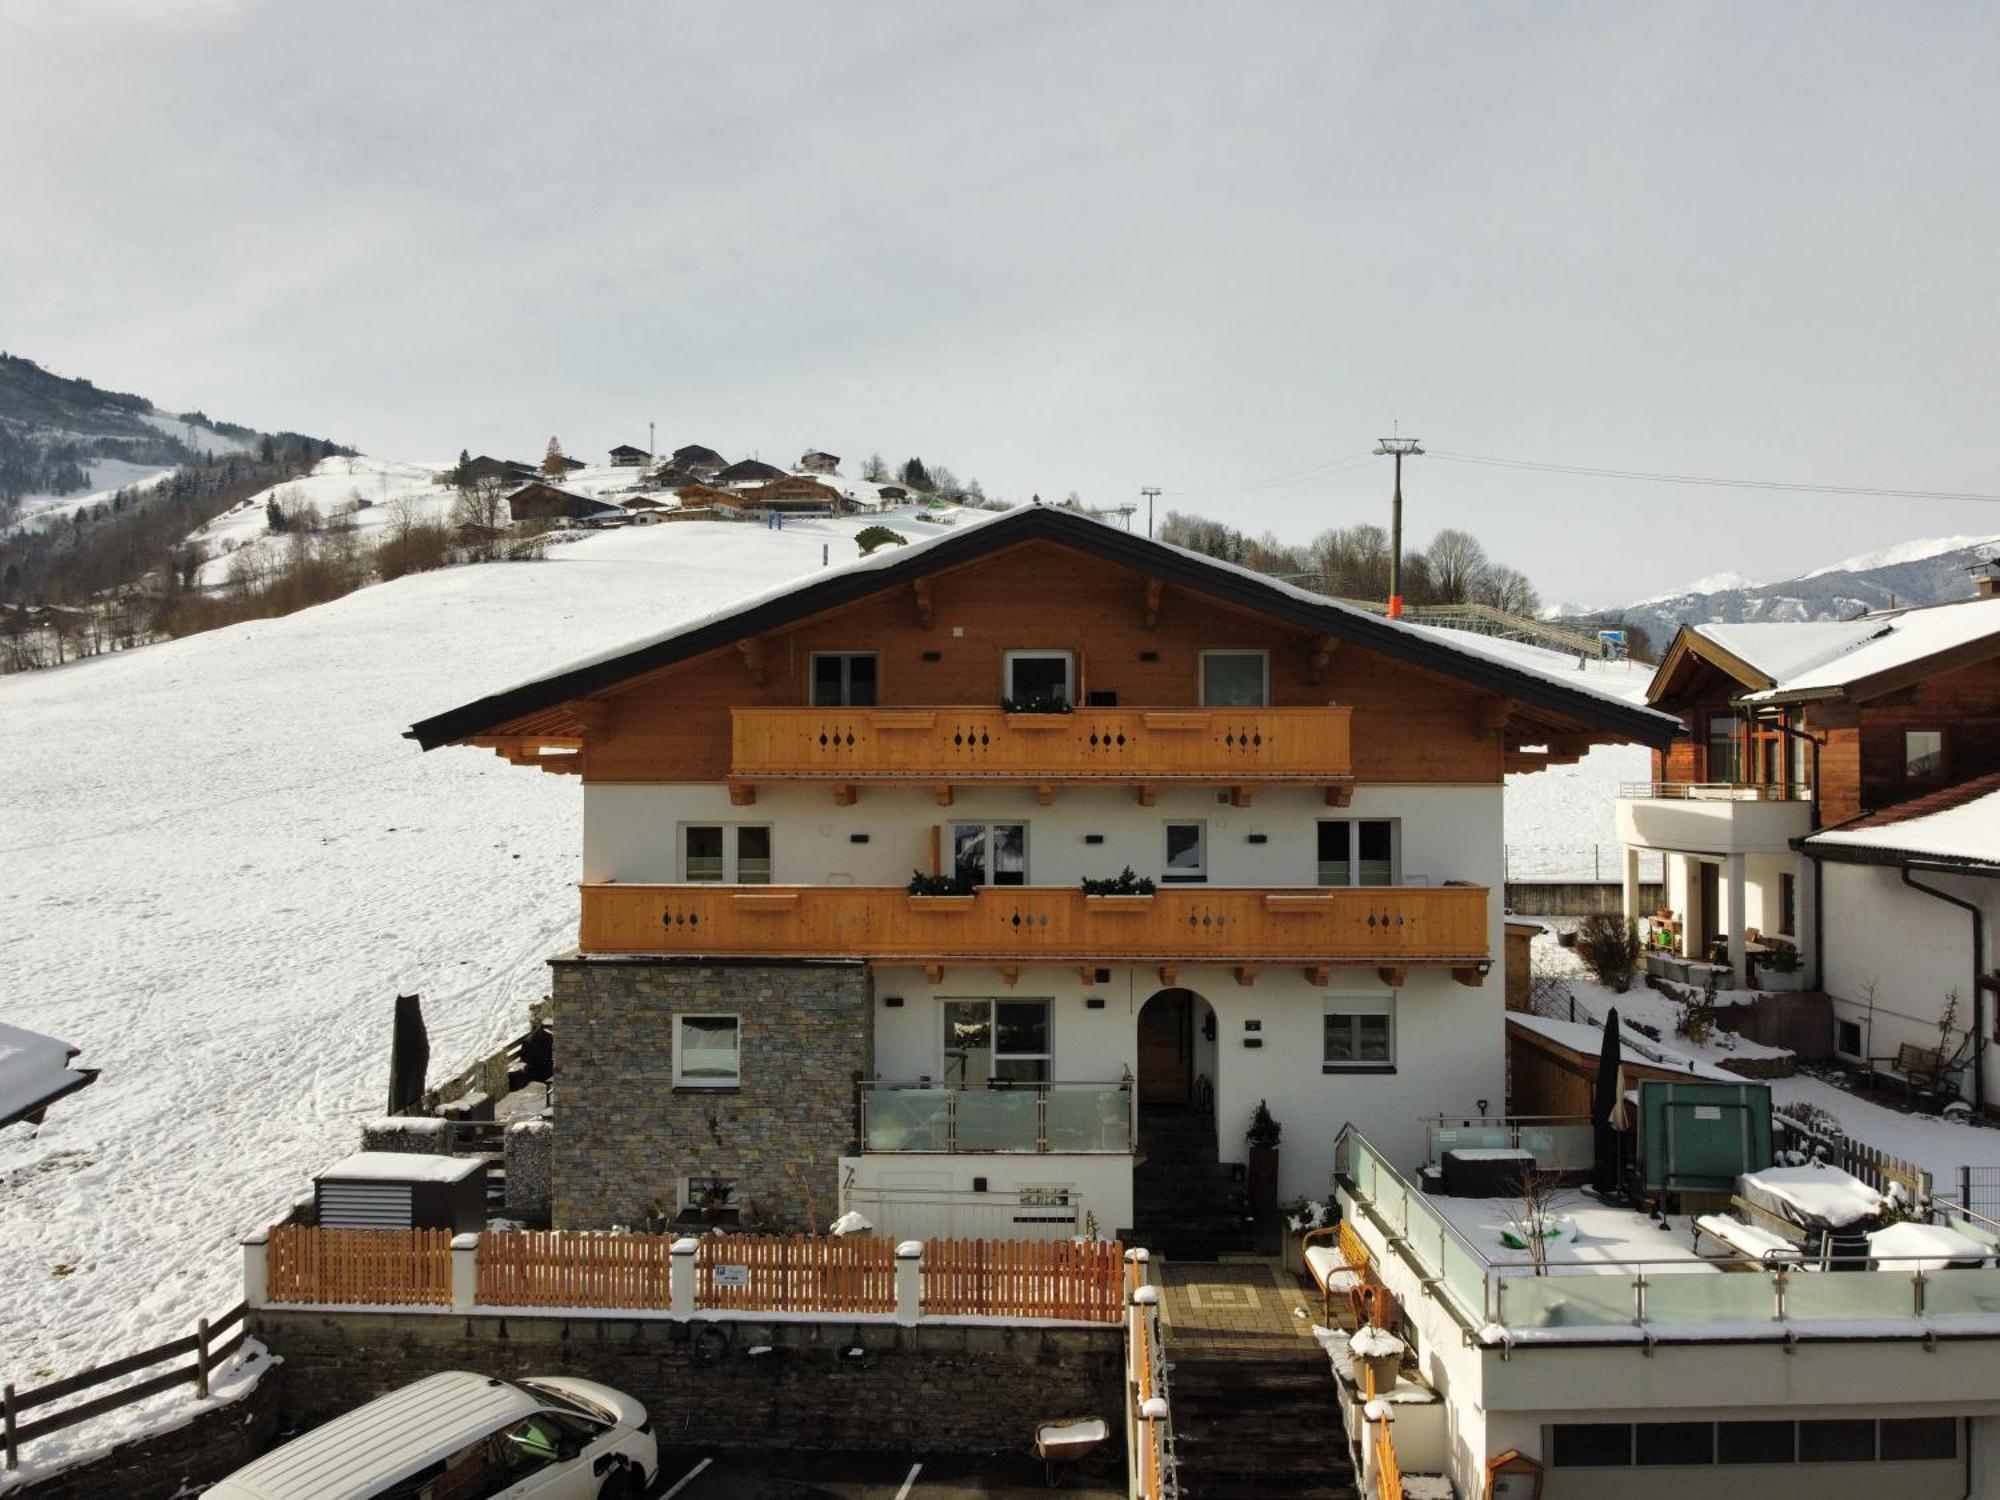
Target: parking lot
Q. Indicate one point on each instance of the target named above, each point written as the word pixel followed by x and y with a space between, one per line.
pixel 690 1474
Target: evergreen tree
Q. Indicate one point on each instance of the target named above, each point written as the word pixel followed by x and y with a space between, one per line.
pixel 461 474
pixel 552 461
pixel 916 476
pixel 274 515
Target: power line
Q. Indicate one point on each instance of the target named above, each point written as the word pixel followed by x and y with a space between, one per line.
pixel 1332 466
pixel 1591 472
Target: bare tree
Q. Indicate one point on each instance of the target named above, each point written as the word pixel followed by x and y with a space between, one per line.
pixel 1457 562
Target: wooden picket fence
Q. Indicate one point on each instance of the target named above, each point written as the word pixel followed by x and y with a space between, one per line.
pixel 795 1273
pixel 1025 1279
pixel 559 1268
pixel 365 1267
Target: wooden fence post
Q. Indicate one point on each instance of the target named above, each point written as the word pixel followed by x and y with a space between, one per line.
pixel 201 1359
pixel 464 1272
pixel 909 1281
pixel 680 1276
pixel 7 1419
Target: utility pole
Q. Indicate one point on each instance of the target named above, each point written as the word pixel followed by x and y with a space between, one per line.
pixel 1151 492
pixel 1397 447
pixel 651 452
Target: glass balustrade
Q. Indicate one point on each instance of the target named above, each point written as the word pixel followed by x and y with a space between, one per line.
pixel 1080 1119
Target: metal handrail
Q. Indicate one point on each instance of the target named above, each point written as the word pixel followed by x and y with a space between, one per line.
pixel 1041 1091
pixel 1713 791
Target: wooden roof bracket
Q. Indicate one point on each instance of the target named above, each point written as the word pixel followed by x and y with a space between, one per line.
pixel 1246 975
pixel 1319 976
pixel 1322 652
pixel 1168 974
pixel 933 973
pixel 1494 714
pixel 1472 976
pixel 1156 589
pixel 751 648
pixel 921 588
pixel 1392 975
pixel 1340 794
pixel 742 794
pixel 592 715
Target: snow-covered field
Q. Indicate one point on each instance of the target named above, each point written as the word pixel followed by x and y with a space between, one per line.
pixel 108 475
pixel 360 488
pixel 219 864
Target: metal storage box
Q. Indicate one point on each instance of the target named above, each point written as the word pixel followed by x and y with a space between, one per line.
pixel 402 1190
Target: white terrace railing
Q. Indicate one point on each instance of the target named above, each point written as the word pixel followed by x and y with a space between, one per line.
pixel 1713 791
pixel 1618 1299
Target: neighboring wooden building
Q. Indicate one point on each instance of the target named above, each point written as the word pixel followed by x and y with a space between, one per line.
pixel 699 460
pixel 816 462
pixel 1797 726
pixel 795 494
pixel 1552 1067
pixel 625 456
pixel 895 492
pixel 750 471
pixel 1317 792
pixel 506 470
pixel 672 476
pixel 708 497
pixel 542 501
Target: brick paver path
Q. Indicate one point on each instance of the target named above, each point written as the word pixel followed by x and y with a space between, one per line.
pixel 1237 1310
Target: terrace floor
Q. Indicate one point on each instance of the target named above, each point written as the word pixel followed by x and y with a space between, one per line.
pixel 1593 1233
pixel 1240 1310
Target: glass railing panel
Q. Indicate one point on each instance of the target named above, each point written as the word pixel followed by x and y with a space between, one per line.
pixel 1819 1296
pixel 1089 1120
pixel 1580 1301
pixel 1445 1138
pixel 1465 1277
pixel 1560 1148
pixel 1961 1293
pixel 907 1119
pixel 996 1120
pixel 1710 1296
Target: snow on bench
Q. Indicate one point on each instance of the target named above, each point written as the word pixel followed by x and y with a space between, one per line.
pixel 1747 1239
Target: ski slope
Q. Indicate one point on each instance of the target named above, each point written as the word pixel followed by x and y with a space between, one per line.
pixel 219 864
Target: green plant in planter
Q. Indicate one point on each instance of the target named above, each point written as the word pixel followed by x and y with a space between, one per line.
pixel 1264 1131
pixel 1039 703
pixel 1780 961
pixel 1124 883
pixel 939 885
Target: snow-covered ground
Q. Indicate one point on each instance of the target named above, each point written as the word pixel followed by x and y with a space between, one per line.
pixel 361 488
pixel 108 475
pixel 219 865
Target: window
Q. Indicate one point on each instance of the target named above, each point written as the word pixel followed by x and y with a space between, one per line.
pixel 707 1052
pixel 530 1444
pixel 1591 1445
pixel 995 1041
pixel 1836 1442
pixel 1788 903
pixel 726 853
pixel 1753 1442
pixel 1668 1444
pixel 1033 675
pixel 844 679
pixel 1359 1034
pixel 1847 1038
pixel 1919 1437
pixel 1923 754
pixel 1235 679
pixel 1360 851
pixel 1722 747
pixel 1187 852
pixel 990 853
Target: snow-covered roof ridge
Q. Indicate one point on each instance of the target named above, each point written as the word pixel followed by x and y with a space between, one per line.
pixel 1781 649
pixel 1899 641
pixel 1960 824
pixel 1476 657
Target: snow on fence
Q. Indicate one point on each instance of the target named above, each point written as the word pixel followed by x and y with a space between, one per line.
pixel 367 1267
pixel 1152 1470
pixel 1875 1167
pixel 1599 863
pixel 796 1273
pixel 1025 1278
pixel 299 1265
pixel 202 1344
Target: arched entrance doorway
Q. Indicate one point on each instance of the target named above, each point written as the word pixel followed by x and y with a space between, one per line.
pixel 1176 1050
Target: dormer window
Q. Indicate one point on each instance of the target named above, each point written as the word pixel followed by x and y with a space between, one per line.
pixel 1038 676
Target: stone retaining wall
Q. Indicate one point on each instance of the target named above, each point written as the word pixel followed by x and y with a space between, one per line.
pixel 817 1386
pixel 183 1461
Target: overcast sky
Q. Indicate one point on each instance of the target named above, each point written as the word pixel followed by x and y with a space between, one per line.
pixel 1061 246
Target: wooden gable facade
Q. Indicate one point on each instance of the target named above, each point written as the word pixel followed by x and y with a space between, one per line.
pixel 1137 617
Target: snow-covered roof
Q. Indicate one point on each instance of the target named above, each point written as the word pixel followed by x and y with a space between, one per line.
pixel 403 1166
pixel 1960 823
pixel 1899 640
pixel 1780 650
pixel 1637 1047
pixel 1498 665
pixel 34 1072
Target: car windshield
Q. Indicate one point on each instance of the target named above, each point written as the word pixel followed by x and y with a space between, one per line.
pixel 565 1401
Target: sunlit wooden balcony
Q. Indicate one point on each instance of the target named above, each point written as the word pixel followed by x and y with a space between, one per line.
pixel 1135 746
pixel 1386 926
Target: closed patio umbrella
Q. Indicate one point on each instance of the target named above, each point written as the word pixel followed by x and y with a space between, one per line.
pixel 1603 1106
pixel 409 1055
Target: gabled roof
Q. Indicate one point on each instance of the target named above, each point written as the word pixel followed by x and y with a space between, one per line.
pixel 628 448
pixel 1904 647
pixel 1433 651
pixel 1959 824
pixel 695 453
pixel 588 503
pixel 34 1073
pixel 749 468
pixel 1757 655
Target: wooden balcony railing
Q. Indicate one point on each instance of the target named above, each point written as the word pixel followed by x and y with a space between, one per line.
pixel 1024 924
pixel 1220 745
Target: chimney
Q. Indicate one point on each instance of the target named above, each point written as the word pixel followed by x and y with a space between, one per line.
pixel 1985 578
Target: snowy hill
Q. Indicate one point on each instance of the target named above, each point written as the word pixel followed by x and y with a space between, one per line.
pixel 1929 571
pixel 220 864
pixel 65 444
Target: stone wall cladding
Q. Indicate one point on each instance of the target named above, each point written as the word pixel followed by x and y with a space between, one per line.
pixel 933 1388
pixel 625 1136
pixel 529 1144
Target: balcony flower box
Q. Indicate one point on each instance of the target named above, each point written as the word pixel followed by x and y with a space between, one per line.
pixel 1119 903
pixel 942 903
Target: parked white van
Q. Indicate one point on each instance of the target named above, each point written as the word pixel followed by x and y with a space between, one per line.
pixel 460 1436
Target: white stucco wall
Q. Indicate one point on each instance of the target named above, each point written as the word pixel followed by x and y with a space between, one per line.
pixel 1910 950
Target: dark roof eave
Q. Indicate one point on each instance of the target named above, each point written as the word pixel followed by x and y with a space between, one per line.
pixel 1876 854
pixel 1645 726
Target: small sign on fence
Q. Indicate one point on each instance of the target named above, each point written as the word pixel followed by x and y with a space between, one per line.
pixel 732 1276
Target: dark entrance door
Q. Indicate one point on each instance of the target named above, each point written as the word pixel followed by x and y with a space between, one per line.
pixel 1166 1048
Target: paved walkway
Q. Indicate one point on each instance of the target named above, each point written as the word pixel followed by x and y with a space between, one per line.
pixel 1237 1310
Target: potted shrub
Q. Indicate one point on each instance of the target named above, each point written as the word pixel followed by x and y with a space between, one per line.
pixel 1303 1216
pixel 657 1217
pixel 1122 889
pixel 1263 1140
pixel 1380 1351
pixel 1039 703
pixel 942 890
pixel 1780 969
pixel 714 1201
